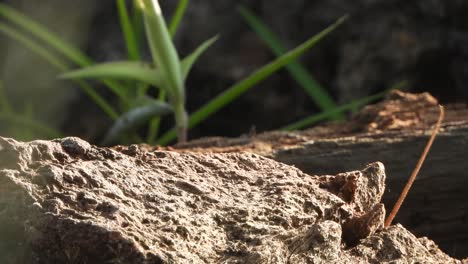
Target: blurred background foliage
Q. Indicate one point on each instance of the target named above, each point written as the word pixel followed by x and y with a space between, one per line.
pixel 383 43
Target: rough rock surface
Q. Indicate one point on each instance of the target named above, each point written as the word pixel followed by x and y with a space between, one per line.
pixel 65 201
pixel 394 132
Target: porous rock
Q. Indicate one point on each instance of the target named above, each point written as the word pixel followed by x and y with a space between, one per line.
pixel 394 132
pixel 65 201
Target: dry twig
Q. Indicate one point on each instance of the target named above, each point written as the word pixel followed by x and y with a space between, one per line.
pixel 415 172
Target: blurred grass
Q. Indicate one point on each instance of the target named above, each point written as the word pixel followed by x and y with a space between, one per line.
pixel 154 124
pixel 131 42
pixel 317 93
pixel 58 63
pixel 242 86
pixel 43 34
pixel 131 29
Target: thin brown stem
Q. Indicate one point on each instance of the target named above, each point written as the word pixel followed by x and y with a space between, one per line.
pixel 415 172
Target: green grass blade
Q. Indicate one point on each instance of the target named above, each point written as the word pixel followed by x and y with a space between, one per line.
pixel 166 58
pixel 173 26
pixel 32 45
pixel 135 117
pixel 318 94
pixel 188 61
pixel 127 29
pixel 186 65
pixel 177 17
pixel 308 121
pixel 164 54
pixel 20 120
pixel 138 31
pixel 153 129
pixel 239 88
pixel 137 22
pixel 97 99
pixel 143 72
pixel 42 33
pixel 57 63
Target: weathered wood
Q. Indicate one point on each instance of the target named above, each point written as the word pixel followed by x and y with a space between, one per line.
pixel 437 205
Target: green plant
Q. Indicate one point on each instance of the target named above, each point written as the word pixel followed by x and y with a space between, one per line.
pixel 318 94
pixel 243 85
pixel 166 72
pixel 61 48
pixel 163 50
pixel 130 97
